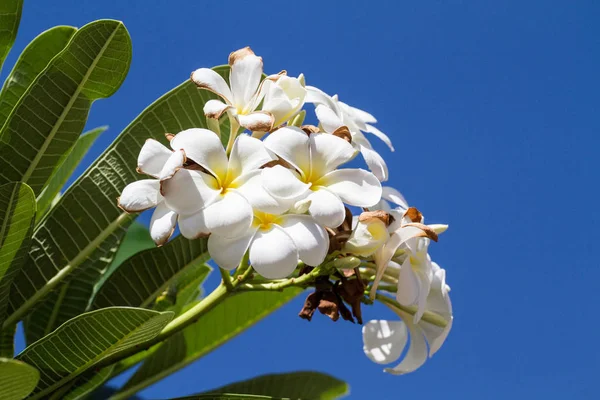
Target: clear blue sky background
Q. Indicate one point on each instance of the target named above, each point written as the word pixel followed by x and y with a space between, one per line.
pixel 493 107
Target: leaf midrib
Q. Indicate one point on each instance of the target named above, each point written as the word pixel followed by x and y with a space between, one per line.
pixel 67 109
pixel 7 215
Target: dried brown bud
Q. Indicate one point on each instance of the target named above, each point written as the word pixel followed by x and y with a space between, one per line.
pixel 343 133
pixel 308 129
pixel 310 305
pixel 384 217
pixel 329 305
pixel 169 136
pixel 352 292
pixel 414 215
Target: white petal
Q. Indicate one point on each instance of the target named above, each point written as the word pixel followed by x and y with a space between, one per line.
pixel 380 135
pixel 328 118
pixel 172 165
pixel 366 238
pixel 246 71
pixel 208 79
pixel 215 109
pixel 251 187
pixel 258 121
pixel 162 224
pixel 229 216
pixel 409 285
pixel 355 187
pixel 327 152
pixel 140 195
pixel 326 208
pixel 273 253
pixel 189 191
pixel 317 96
pixel 384 341
pixel 291 144
pixel 283 184
pixel 310 238
pixel 417 352
pixel 247 154
pixel 228 252
pixel 435 335
pixel 375 162
pixel 193 226
pixel 205 148
pixel 360 114
pixel 153 157
pixel 391 194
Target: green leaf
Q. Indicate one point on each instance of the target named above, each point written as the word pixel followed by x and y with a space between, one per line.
pixel 225 321
pixel 143 277
pixel 83 230
pixel 230 396
pixel 7 342
pixel 17 213
pixel 64 169
pixel 87 339
pixel 10 17
pixel 31 62
pixel 295 385
pixel 17 379
pixel 51 113
pixel 87 383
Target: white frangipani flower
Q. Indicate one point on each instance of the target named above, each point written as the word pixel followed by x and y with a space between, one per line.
pixel 369 234
pixel 283 97
pixel 219 194
pixel 314 176
pixel 242 96
pixel 385 341
pixel 275 242
pixel 333 114
pixel 161 163
pixel 391 195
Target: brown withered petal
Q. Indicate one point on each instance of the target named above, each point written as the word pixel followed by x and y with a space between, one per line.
pixel 352 292
pixel 368 216
pixel 347 224
pixel 427 231
pixel 343 133
pixel 310 305
pixel 308 129
pixel 279 161
pixel 414 214
pixel 329 305
pixel 169 136
pixel 239 54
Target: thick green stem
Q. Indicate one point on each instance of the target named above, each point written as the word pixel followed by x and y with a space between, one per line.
pixel 226 279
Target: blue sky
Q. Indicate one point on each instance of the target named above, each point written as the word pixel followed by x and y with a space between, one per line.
pixel 493 109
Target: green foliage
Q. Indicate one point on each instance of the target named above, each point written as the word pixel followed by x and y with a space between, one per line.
pixel 87 383
pixel 294 385
pixel 65 168
pixel 10 17
pixel 32 61
pixel 7 342
pixel 17 213
pixel 87 339
pixel 17 379
pixel 225 321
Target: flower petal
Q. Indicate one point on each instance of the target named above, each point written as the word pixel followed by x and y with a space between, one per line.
pixel 326 208
pixel 258 121
pixel 409 285
pixel 273 253
pixel 188 191
pixel 359 114
pixel 291 144
pixel 153 157
pixel 328 118
pixel 246 71
pixel 355 187
pixel 215 108
pixel 193 226
pixel 317 96
pixel 327 152
pixel 283 184
pixel 250 186
pixel 229 216
pixel 228 252
pixel 310 238
pixel 140 195
pixel 206 78
pixel 205 148
pixel 375 162
pixel 394 196
pixel 162 224
pixel 416 354
pixel 385 138
pixel 172 165
pixel 384 341
pixel 247 154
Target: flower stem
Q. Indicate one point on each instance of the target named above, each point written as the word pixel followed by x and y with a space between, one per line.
pixel 226 279
pixel 428 316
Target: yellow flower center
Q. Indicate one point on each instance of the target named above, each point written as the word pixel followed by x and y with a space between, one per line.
pixel 263 220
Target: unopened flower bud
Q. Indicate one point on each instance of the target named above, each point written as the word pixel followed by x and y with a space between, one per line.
pixel 370 234
pixel 349 262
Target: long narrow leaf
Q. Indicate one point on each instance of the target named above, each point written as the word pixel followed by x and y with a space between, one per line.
pixel 31 62
pixel 10 17
pixel 51 113
pixel 17 213
pixel 82 231
pixel 225 321
pixel 17 379
pixel 87 339
pixel 7 342
pixel 65 168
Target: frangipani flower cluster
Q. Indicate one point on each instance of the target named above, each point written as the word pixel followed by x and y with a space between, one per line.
pixel 277 198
